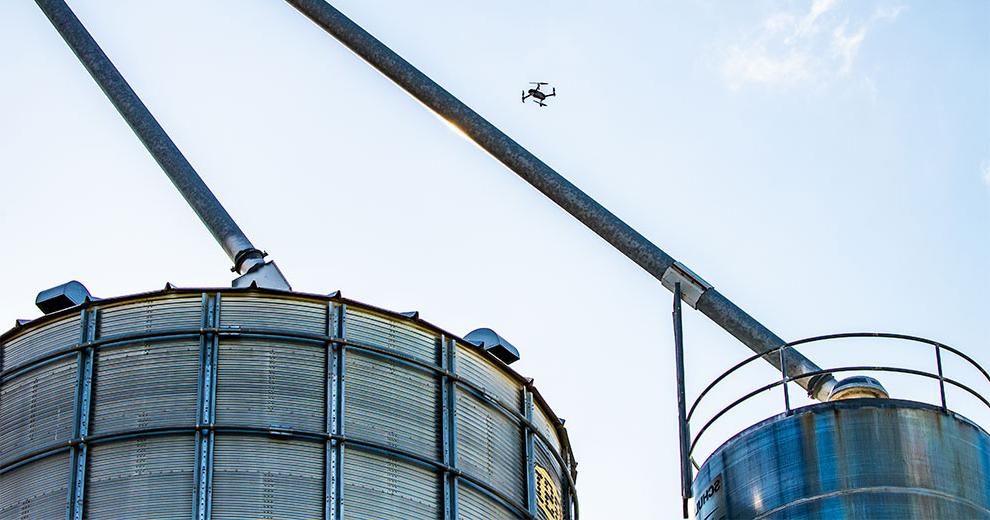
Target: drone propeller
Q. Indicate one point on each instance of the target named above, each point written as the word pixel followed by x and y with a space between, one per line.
pixel 538 83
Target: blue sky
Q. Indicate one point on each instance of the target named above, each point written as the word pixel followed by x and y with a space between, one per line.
pixel 826 165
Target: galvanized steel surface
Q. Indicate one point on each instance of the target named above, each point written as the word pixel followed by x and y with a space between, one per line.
pixel 258 477
pixel 476 505
pixel 407 417
pixel 160 467
pixel 239 403
pixel 408 491
pixel 37 409
pixel 853 459
pixel 35 342
pixel 490 446
pixel 38 490
pixel 261 384
pixel 127 399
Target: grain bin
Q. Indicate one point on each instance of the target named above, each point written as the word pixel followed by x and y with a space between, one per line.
pixel 237 403
pixel 859 456
pixel 852 459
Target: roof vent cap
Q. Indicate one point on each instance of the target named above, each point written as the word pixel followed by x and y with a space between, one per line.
pixel 856 387
pixel 494 344
pixel 69 294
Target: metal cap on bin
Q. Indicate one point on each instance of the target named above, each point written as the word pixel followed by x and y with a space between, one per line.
pixel 494 344
pixel 69 294
pixel 858 387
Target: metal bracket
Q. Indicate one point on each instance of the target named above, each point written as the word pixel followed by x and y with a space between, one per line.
pixel 334 478
pixel 684 428
pixel 209 347
pixel 266 275
pixel 84 394
pixel 692 285
pixel 530 439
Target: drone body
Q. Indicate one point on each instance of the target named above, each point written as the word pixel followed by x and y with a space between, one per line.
pixel 538 95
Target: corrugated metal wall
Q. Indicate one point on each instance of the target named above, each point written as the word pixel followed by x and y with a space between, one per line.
pixel 490 447
pixel 265 383
pixel 485 374
pixel 474 504
pixel 36 409
pixel 391 404
pixel 147 385
pixel 143 477
pixel 144 316
pixel 38 341
pixel 257 404
pixel 372 328
pixel 36 491
pixel 378 485
pixel 258 477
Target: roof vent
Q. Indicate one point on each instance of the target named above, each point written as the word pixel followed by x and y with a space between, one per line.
pixel 857 387
pixel 494 344
pixel 69 294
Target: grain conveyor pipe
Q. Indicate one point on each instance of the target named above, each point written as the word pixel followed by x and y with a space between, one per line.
pixel 248 260
pixel 697 293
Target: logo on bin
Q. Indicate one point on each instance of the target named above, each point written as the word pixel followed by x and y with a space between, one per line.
pixel 548 496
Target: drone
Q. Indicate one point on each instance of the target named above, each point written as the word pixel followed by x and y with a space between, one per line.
pixel 535 93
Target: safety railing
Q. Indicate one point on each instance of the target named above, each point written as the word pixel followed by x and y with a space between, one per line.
pixel 938 375
pixel 689 415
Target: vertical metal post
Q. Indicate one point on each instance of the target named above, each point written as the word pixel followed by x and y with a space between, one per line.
pixel 84 394
pixel 446 455
pixel 684 429
pixel 206 415
pixel 567 496
pixel 337 403
pixel 450 429
pixel 941 378
pixel 782 350
pixel 332 393
pixel 530 452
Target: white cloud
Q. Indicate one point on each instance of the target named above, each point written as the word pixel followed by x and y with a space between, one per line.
pixel 888 13
pixel 985 171
pixel 789 48
pixel 754 64
pixel 845 46
pixel 808 25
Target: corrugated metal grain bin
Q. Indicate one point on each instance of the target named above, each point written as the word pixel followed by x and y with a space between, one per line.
pixel 237 403
pixel 858 456
pixel 856 459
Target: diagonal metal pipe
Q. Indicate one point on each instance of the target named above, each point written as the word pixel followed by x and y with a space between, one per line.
pixel 248 260
pixel 620 235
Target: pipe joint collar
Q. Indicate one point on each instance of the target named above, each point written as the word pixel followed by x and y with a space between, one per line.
pixel 692 285
pixel 243 255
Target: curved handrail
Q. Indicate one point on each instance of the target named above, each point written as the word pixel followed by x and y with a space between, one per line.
pixel 939 376
pixel 719 379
